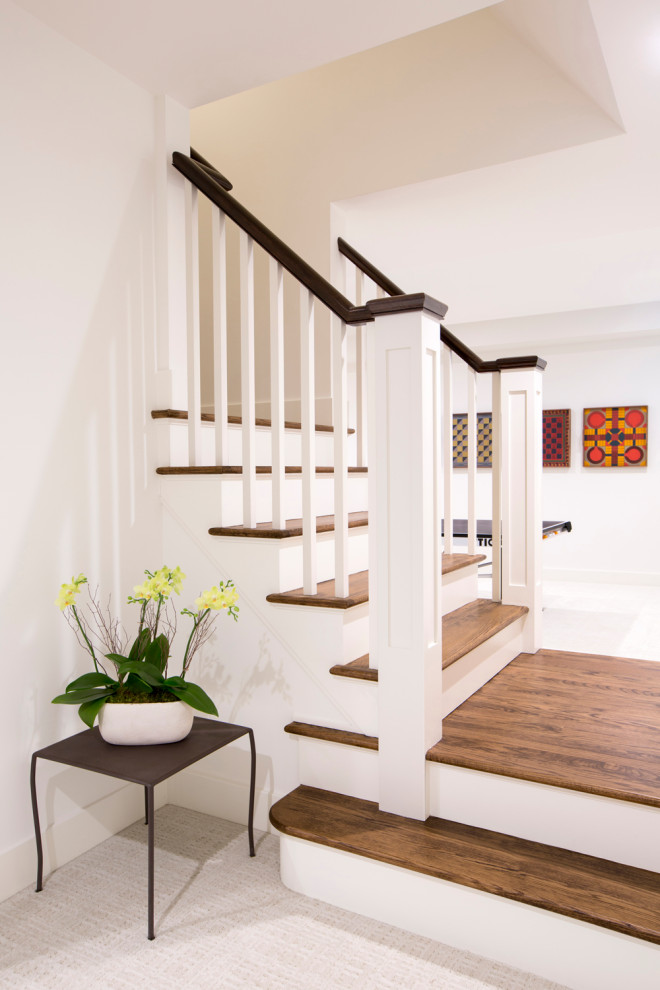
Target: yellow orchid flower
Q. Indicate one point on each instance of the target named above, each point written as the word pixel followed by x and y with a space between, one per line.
pixel 177 577
pixel 67 593
pixel 144 591
pixel 217 598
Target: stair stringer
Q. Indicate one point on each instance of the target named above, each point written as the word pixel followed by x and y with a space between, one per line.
pixel 265 670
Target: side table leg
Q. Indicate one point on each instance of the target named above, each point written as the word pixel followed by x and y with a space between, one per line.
pixel 253 772
pixel 146 807
pixel 149 793
pixel 37 827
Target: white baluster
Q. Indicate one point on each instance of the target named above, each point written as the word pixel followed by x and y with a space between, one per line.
pixel 361 375
pixel 448 448
pixel 472 459
pixel 277 391
pixel 497 487
pixel 340 423
pixel 247 380
pixel 220 397
pixel 351 292
pixel 308 423
pixel 192 320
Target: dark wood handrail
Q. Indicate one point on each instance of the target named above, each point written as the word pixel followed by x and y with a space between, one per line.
pixel 207 183
pixel 382 281
pixel 218 176
pixel 446 336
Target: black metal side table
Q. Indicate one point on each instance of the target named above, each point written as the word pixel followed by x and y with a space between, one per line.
pixel 145 765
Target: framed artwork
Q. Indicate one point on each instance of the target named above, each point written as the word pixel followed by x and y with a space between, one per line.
pixel 616 436
pixel 556 438
pixel 484 440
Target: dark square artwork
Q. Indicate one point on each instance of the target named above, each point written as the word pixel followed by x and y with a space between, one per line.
pixel 556 438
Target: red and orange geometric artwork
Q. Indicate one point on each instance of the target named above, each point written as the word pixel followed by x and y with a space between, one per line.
pixel 616 436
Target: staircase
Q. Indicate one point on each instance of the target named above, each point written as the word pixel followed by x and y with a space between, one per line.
pixel 397 789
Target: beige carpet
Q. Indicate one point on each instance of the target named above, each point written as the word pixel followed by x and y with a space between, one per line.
pixel 223 920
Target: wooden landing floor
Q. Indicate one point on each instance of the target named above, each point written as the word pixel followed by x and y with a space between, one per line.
pixel 585 722
pixel 608 894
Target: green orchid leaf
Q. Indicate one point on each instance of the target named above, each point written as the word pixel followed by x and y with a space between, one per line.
pixel 193 695
pixel 140 645
pixel 89 681
pixel 146 671
pixel 90 709
pixel 158 652
pixel 136 685
pixel 78 697
pixel 116 658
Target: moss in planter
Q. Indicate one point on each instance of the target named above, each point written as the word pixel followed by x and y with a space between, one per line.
pixel 124 696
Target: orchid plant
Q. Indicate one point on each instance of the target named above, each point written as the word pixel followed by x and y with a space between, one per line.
pixel 140 673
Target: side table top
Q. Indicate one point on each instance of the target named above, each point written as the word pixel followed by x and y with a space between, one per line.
pixel 145 765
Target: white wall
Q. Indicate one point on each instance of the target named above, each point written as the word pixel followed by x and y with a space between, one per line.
pixel 77 302
pixel 614 510
pixel 455 98
pixel 615 534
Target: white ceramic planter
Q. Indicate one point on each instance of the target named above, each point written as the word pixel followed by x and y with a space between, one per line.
pixel 148 724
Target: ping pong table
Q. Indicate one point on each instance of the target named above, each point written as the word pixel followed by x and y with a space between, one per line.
pixel 485 529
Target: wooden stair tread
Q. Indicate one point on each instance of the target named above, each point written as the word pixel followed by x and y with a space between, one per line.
pixel 472 624
pixel 462 631
pixel 358 586
pixel 456 561
pixel 238 469
pixel 237 420
pixel 293 527
pixel 358 594
pixel 344 736
pixel 358 669
pixel 610 895
pixel 586 722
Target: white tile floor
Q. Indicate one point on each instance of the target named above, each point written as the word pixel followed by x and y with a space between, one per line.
pixel 614 619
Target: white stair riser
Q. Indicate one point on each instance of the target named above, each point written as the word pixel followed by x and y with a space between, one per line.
pixel 335 767
pixel 472 671
pixel 358 699
pixel 569 952
pixel 174 435
pixel 459 588
pixel 220 497
pixel 285 557
pixel 329 635
pixel 620 831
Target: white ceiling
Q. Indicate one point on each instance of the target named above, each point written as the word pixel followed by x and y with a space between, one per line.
pixel 202 50
pixel 574 229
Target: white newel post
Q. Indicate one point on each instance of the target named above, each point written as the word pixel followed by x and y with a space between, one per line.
pixel 521 467
pixel 405 563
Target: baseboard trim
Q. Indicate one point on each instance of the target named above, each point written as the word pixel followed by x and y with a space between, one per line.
pixel 65 840
pixel 573 953
pixel 221 797
pixel 602 577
